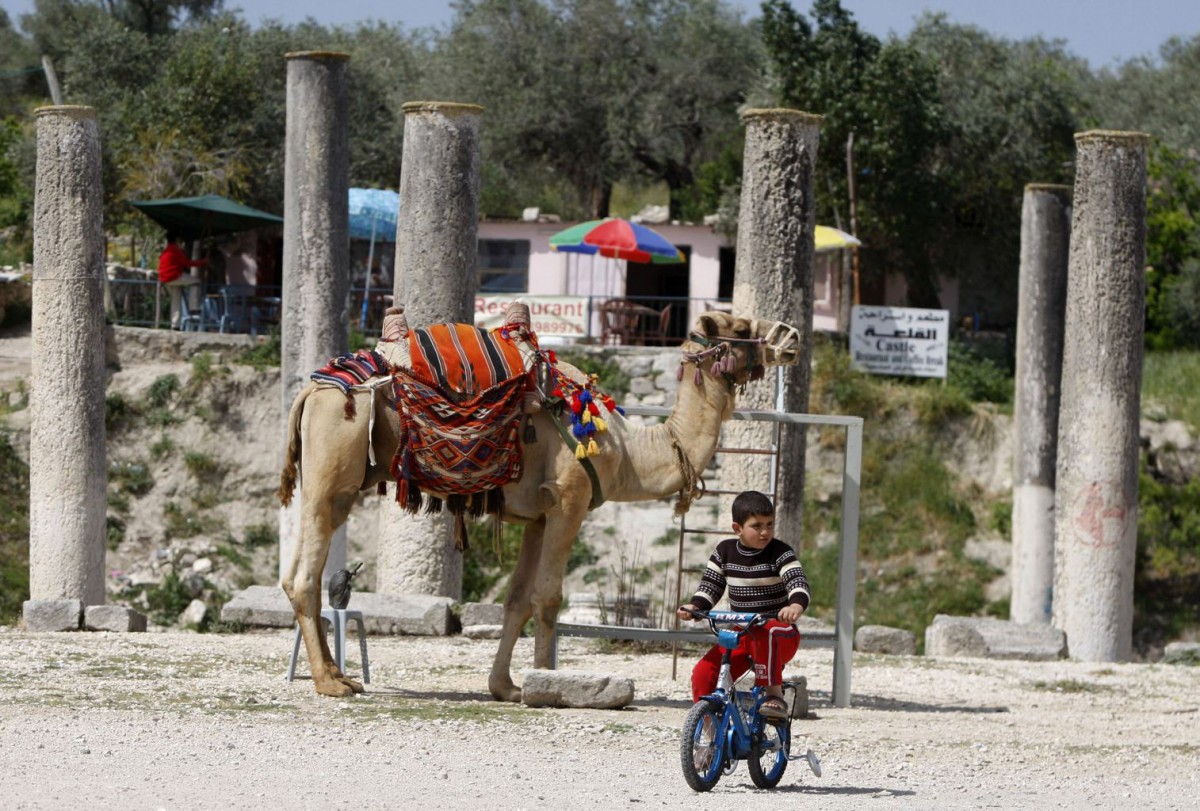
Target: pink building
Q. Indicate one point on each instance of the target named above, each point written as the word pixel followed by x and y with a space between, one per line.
pixel 515 258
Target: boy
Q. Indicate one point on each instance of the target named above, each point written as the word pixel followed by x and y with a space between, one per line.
pixel 763 575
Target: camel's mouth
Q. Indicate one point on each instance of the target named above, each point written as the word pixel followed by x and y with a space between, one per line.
pixel 782 344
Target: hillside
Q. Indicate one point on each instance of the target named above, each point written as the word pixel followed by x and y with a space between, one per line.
pixel 194 445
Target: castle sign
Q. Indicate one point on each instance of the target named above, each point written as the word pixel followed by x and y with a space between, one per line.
pixel 899 340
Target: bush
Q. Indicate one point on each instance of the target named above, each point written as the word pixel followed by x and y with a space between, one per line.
pixel 980 377
pixel 266 353
pixel 14 531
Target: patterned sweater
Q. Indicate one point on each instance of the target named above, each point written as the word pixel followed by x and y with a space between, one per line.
pixel 759 580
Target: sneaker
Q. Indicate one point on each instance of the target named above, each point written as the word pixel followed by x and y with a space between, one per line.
pixel 773 708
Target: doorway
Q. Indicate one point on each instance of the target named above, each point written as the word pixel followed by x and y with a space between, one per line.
pixel 657 286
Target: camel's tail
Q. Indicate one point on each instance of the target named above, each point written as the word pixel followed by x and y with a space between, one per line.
pixel 291 462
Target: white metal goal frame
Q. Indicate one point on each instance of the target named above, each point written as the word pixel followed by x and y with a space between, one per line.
pixel 842 638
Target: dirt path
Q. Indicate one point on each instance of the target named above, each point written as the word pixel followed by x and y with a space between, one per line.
pixel 187 721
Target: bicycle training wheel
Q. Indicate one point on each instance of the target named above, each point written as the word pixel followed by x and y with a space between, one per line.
pixel 769 759
pixel 701 750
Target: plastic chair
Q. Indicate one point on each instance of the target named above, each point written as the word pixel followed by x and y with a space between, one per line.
pixel 237 316
pixel 656 331
pixel 188 320
pixel 618 321
pixel 212 313
pixel 337 617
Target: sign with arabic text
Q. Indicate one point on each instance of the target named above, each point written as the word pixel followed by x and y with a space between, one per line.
pixel 899 340
pixel 565 316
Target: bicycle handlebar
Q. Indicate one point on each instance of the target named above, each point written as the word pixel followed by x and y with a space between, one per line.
pixel 733 616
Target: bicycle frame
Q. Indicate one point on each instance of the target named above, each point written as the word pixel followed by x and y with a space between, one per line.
pixel 737 734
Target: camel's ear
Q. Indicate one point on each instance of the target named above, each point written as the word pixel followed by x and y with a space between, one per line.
pixel 708 326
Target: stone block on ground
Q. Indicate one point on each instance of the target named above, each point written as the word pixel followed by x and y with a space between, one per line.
pixel 411 614
pixel 567 688
pixel 194 614
pixel 52 615
pixel 883 639
pixel 795 693
pixel 483 631
pixel 482 614
pixel 1182 653
pixel 987 638
pixel 116 618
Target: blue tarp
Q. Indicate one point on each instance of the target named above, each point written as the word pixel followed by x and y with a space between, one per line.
pixel 377 207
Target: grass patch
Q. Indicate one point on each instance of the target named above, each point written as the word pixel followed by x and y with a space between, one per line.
pixel 266 353
pixel 14 531
pixel 1169 381
pixel 1068 686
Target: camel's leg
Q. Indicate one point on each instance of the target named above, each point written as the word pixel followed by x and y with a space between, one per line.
pixel 517 609
pixel 332 472
pixel 562 527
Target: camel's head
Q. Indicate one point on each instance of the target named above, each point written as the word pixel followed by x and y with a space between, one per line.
pixel 741 347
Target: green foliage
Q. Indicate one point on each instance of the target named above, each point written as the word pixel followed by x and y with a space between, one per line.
pixel 162 448
pixel 162 390
pixel 202 368
pixel 114 532
pixel 118 412
pixel 610 377
pixel 14 531
pixel 1169 380
pixel 581 555
pixel 206 470
pixel 257 536
pixel 181 524
pixel 168 600
pixel 979 377
pixel 487 561
pixel 131 476
pixel 1000 518
pixel 1167 578
pixel 266 353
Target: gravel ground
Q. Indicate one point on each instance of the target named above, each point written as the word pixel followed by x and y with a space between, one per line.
pixel 187 721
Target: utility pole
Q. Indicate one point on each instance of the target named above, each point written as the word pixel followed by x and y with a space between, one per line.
pixel 52 81
pixel 852 189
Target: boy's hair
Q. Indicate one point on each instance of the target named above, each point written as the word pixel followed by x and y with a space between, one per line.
pixel 751 502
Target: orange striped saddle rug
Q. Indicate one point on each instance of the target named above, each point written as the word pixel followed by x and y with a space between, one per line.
pixel 462 359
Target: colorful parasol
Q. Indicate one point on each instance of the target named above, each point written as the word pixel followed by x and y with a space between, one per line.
pixel 617 239
pixel 831 239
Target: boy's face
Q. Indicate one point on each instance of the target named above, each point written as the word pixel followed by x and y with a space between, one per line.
pixel 756 532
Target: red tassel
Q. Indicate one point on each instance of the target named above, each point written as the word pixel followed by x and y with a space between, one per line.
pixel 350 410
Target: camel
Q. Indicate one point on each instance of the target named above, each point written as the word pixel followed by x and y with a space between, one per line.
pixel 329 452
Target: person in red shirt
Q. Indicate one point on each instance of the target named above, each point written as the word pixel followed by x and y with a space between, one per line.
pixel 172 264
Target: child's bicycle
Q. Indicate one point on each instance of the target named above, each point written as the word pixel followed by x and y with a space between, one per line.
pixel 725 726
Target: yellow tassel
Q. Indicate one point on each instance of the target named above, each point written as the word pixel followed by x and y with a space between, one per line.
pixel 601 425
pixel 580 451
pixel 593 448
pixel 587 417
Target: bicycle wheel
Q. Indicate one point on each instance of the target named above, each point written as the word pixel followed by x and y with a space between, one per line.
pixel 701 751
pixel 769 759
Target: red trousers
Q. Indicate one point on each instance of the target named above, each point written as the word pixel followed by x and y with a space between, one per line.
pixel 770 646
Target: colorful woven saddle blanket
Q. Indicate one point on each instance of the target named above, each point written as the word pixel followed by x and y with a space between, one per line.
pixel 462 359
pixel 347 371
pixel 464 449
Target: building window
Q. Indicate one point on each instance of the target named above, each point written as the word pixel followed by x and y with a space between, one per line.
pixel 503 265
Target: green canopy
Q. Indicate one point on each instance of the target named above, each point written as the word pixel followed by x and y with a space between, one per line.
pixel 210 215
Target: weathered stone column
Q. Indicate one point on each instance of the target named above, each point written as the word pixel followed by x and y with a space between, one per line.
pixel 1045 242
pixel 67 478
pixel 316 247
pixel 437 264
pixel 1097 475
pixel 774 280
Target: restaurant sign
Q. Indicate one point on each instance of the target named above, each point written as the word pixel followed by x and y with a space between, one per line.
pixel 899 340
pixel 564 316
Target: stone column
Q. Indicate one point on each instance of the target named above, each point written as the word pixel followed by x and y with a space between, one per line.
pixel 67 479
pixel 773 279
pixel 1097 475
pixel 316 247
pixel 1045 241
pixel 437 268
